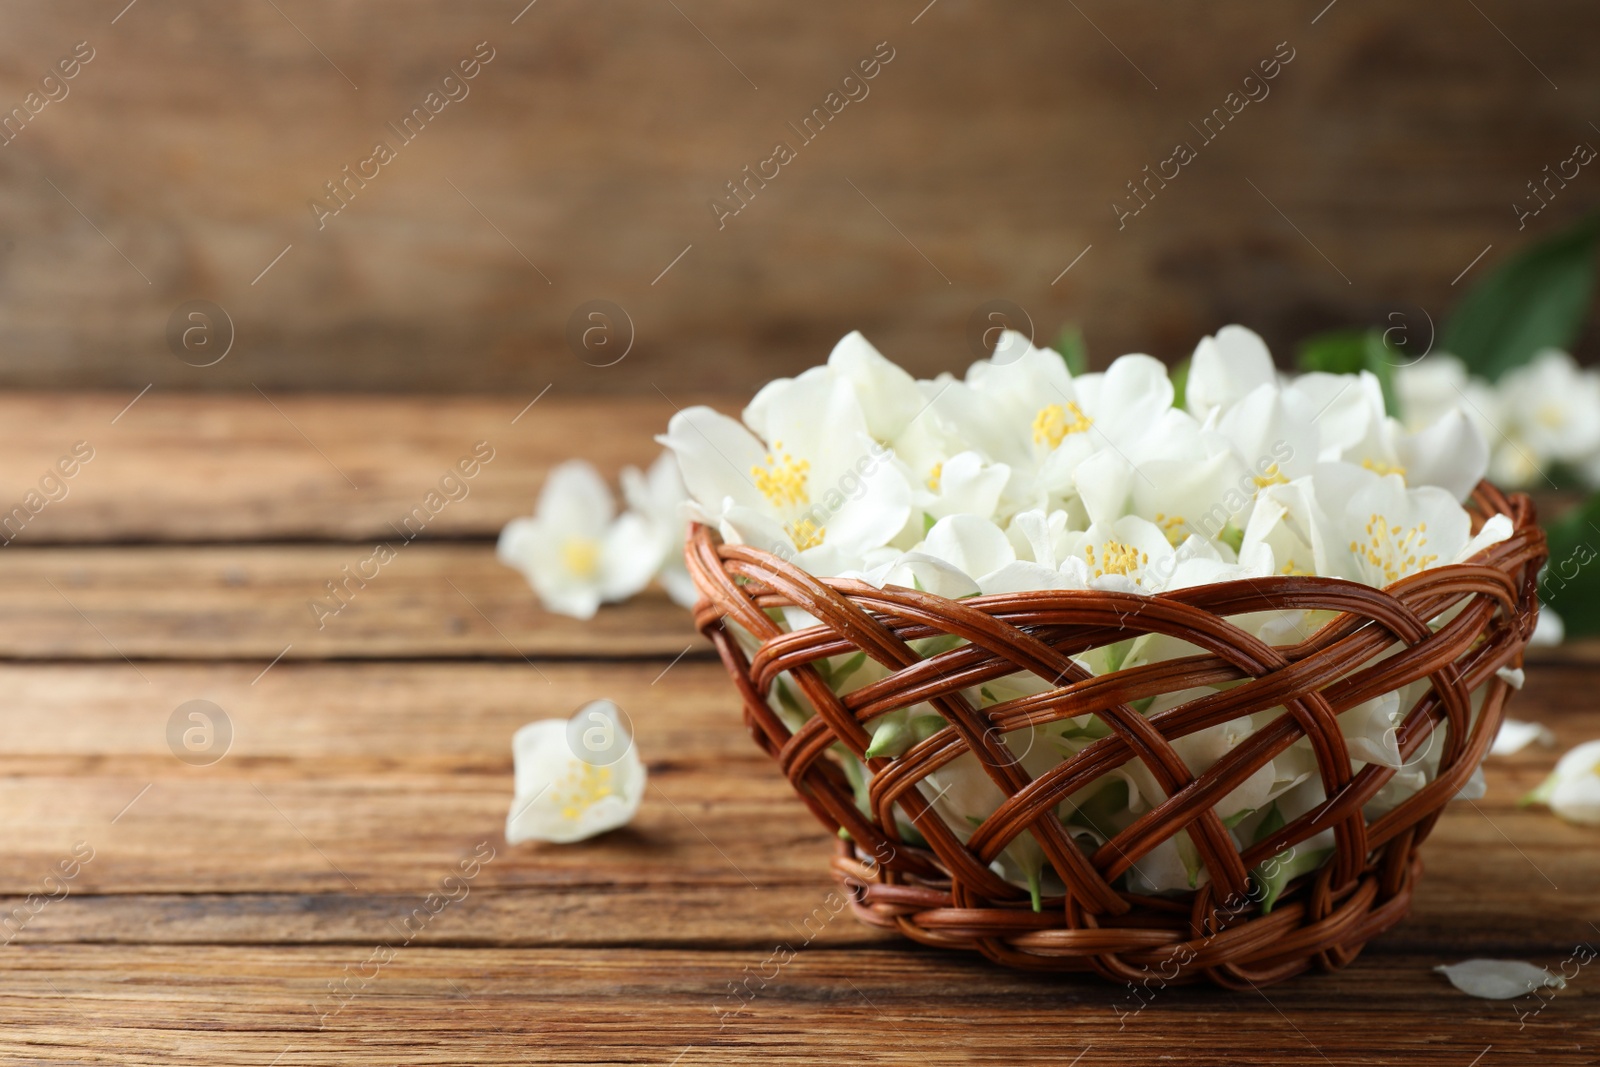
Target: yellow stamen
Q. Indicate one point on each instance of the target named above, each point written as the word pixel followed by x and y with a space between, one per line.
pixel 783 478
pixel 581 788
pixel 1172 526
pixel 1053 423
pixel 806 534
pixel 934 476
pixel 1117 558
pixel 1271 476
pixel 1380 467
pixel 581 556
pixel 1393 550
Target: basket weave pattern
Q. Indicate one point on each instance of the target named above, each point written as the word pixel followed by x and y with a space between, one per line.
pixel 945 894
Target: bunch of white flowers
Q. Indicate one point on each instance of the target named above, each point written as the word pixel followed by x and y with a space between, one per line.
pixel 1538 418
pixel 1023 476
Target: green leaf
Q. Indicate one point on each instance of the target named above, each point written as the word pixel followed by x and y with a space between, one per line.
pixel 1180 384
pixel 1334 352
pixel 1275 874
pixel 1238 817
pixel 1073 349
pixel 928 647
pixel 1272 876
pixel 1354 351
pixel 1270 824
pixel 842 673
pixel 891 735
pixel 1094 730
pixel 927 522
pixel 1541 793
pixel 925 726
pixel 1381 359
pixel 1099 811
pixel 1571 582
pixel 1538 299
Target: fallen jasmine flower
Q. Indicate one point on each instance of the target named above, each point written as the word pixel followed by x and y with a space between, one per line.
pixel 1499 979
pixel 575 778
pixel 574 552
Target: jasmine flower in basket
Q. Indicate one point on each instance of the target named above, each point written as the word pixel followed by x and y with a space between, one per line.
pixel 1023 476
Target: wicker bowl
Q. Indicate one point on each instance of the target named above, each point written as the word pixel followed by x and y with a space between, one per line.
pixel 943 892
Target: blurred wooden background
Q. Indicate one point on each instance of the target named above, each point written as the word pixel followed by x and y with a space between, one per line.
pixel 983 161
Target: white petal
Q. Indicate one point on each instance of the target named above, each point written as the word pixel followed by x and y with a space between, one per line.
pixel 1516 735
pixel 1452 454
pixel 1226 367
pixel 1103 482
pixel 1495 530
pixel 1549 630
pixel 1515 677
pixel 630 554
pixel 888 395
pixel 1499 979
pixel 716 455
pixel 917 571
pixel 974 545
pixel 1582 760
pixel 576 500
pixel 1577 799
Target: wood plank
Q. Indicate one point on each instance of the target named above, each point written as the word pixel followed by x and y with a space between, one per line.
pixel 252 601
pixel 260 1005
pixel 1396 140
pixel 253 467
pixel 386 774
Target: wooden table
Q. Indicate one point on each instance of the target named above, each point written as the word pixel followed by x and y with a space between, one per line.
pixel 223 902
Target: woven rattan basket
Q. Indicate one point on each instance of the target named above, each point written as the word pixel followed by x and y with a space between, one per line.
pixel 944 893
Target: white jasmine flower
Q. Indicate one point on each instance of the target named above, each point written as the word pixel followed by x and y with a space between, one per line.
pixel 1451 452
pixel 1394 532
pixel 963 484
pixel 1185 479
pixel 1289 521
pixel 1573 789
pixel 1438 384
pixel 1133 555
pixel 658 497
pixel 575 778
pixel 1552 408
pixel 574 552
pixel 1024 408
pixel 823 493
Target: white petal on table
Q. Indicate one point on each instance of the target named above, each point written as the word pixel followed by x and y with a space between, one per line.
pixel 1499 979
pixel 1516 735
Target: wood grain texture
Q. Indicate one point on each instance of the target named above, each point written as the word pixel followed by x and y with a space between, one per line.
pixel 986 157
pixel 253 601
pixel 448 1006
pixel 261 467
